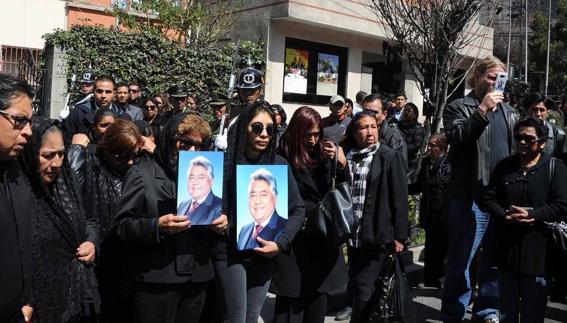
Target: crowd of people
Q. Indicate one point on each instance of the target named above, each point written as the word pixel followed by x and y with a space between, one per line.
pixel 90 230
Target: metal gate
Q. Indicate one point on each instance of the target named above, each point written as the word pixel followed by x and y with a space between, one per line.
pixel 25 63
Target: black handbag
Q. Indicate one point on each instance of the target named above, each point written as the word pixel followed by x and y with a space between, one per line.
pixel 334 219
pixel 557 230
pixel 392 300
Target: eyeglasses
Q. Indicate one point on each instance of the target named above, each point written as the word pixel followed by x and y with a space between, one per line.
pixel 105 124
pixel 150 107
pixel 19 121
pixel 186 144
pixel 258 128
pixel 525 138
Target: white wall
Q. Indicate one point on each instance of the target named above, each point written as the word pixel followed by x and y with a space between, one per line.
pixel 23 22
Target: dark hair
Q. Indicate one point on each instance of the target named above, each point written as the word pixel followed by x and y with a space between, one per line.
pixel 536 98
pixel 10 88
pixel 280 110
pixel 150 99
pixel 410 114
pixel 374 97
pixel 291 143
pixel 541 129
pixel 134 83
pixel 349 101
pixel 195 98
pixel 144 128
pixel 101 113
pixel 401 94
pixel 105 78
pixel 349 142
pixel 441 140
pixel 360 95
pixel 122 84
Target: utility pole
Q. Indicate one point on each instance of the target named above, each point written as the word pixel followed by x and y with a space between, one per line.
pixel 509 36
pixel 548 45
pixel 526 45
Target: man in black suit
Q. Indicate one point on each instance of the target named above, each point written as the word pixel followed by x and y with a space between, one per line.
pixel 15 239
pixel 262 199
pixel 203 206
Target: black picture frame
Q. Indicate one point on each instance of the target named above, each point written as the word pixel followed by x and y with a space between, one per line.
pixel 314 49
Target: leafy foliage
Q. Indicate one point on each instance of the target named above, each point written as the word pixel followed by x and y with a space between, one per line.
pixel 151 59
pixel 193 21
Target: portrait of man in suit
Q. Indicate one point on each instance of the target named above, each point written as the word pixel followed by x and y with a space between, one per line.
pixel 203 206
pixel 262 200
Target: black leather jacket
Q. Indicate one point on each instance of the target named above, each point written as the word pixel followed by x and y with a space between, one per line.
pixel 556 145
pixel 468 133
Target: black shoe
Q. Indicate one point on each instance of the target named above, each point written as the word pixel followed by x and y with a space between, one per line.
pixel 344 314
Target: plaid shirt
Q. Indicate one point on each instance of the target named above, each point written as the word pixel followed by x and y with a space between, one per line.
pixel 359 162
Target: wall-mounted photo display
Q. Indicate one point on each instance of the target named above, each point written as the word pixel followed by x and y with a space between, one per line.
pixel 262 204
pixel 327 74
pixel 199 186
pixel 296 64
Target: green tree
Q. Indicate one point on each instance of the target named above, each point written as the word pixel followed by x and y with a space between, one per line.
pixel 192 21
pixel 558 50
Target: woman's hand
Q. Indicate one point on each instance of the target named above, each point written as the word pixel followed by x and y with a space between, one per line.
pixel 80 139
pixel 398 246
pixel 27 311
pixel 173 224
pixel 86 252
pixel 149 146
pixel 269 248
pixel 220 224
pixel 519 215
pixel 329 149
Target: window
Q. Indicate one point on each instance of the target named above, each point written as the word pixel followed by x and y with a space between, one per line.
pixel 313 72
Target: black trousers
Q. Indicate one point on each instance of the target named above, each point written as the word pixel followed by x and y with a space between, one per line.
pixel 169 303
pixel 436 244
pixel 368 264
pixel 301 310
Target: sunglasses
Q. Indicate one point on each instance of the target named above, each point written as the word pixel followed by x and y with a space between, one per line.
pixel 19 121
pixel 105 124
pixel 135 157
pixel 525 138
pixel 258 128
pixel 150 107
pixel 186 144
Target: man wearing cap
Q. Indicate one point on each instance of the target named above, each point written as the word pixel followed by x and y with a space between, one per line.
pixel 80 119
pixel 336 123
pixel 249 85
pixel 87 86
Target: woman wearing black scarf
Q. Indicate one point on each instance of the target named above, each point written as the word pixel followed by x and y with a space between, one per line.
pixel 64 283
pixel 170 260
pixel 249 273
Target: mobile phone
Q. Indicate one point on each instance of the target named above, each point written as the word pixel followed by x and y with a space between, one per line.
pixel 501 79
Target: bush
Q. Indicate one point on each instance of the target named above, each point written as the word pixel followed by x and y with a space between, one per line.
pixel 154 61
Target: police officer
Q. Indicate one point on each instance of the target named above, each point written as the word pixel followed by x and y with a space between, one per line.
pixel 87 86
pixel 249 85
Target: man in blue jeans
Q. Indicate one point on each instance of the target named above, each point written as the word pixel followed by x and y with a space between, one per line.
pixel 479 128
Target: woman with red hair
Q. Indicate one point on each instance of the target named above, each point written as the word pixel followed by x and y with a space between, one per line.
pixel 314 267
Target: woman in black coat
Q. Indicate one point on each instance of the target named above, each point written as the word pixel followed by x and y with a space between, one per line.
pixel 63 234
pixel 525 190
pixel 313 266
pixel 244 276
pixel 413 133
pixel 170 260
pixel 380 201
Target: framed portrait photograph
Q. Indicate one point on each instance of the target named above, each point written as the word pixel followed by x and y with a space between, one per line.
pixel 262 207
pixel 199 186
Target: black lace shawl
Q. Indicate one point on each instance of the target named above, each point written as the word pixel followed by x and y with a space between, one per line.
pixel 64 289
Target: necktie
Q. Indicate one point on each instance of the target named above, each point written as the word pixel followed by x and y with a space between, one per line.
pixel 257 230
pixel 194 205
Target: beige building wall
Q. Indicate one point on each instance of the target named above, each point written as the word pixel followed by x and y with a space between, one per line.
pixel 24 22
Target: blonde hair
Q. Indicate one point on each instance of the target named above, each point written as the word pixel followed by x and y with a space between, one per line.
pixel 194 123
pixel 482 66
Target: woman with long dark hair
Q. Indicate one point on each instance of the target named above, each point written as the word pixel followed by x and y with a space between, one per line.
pixel 244 276
pixel 151 115
pixel 63 235
pixel 313 267
pixel 170 260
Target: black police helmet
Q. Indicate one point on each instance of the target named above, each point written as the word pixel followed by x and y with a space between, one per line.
pixel 249 78
pixel 88 77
